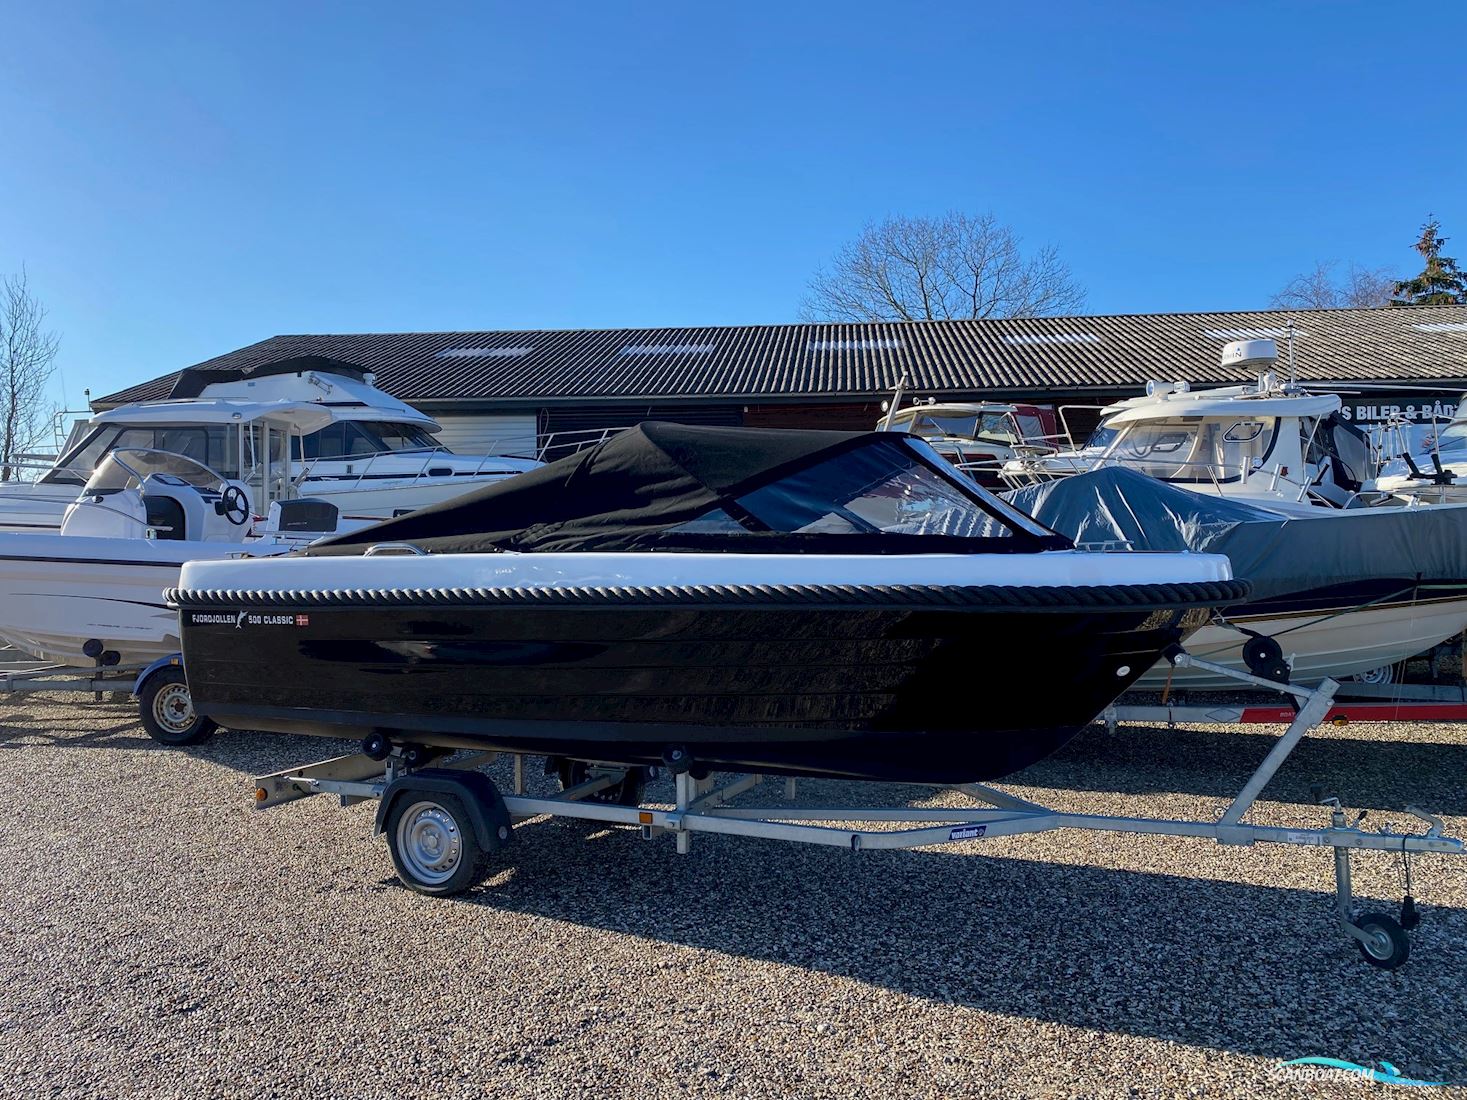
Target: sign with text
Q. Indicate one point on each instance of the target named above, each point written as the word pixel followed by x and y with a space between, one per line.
pixel 1417 408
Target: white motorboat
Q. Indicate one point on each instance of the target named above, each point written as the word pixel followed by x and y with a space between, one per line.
pixel 979 438
pixel 1434 470
pixel 1271 443
pixel 372 456
pixel 92 593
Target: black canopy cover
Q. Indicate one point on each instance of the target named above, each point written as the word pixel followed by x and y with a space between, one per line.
pixel 627 492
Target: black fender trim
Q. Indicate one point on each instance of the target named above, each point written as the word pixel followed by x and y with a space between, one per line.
pixel 1053 598
pixel 487 812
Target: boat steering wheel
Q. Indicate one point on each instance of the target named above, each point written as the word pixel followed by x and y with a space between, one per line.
pixel 234 505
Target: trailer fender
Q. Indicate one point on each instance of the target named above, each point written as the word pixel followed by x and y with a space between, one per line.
pixel 146 674
pixel 486 809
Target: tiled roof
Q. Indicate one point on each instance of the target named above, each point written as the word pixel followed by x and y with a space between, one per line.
pixel 1017 355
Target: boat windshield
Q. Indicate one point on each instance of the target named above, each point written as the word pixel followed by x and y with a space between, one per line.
pixel 128 469
pixel 1101 438
pixel 361 438
pixel 1452 439
pixel 1194 448
pixel 996 427
pixel 215 445
pixel 872 490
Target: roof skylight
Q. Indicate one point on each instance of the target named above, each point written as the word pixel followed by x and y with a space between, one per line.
pixel 666 349
pixel 483 353
pixel 1442 326
pixel 886 343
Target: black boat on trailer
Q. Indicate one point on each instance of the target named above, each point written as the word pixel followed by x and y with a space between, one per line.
pixel 736 599
pixel 719 600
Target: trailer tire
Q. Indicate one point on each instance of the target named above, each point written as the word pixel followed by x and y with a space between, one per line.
pixel 433 844
pixel 1388 946
pixel 167 710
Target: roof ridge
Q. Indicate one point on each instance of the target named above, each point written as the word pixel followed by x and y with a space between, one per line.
pixel 1078 352
pixel 935 322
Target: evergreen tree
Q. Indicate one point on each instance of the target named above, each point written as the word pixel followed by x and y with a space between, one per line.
pixel 1442 283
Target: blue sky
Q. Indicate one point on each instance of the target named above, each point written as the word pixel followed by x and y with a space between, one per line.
pixel 183 179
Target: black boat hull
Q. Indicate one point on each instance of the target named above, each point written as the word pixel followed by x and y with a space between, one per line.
pixel 889 688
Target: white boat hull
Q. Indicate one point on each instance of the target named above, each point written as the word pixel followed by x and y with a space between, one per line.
pixel 37 513
pixel 57 592
pixel 1320 644
pixel 34 509
pixel 374 501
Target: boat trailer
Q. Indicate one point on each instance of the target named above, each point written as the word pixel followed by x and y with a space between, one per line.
pixel 444 819
pixel 164 705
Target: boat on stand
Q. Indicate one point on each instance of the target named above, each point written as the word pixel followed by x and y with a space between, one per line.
pixel 1335 593
pixel 980 438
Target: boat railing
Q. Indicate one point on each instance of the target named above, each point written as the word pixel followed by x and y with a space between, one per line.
pixel 360 468
pixel 981 465
pixel 1216 475
pixel 30 469
pixel 1065 431
pixel 562 444
pixel 1036 466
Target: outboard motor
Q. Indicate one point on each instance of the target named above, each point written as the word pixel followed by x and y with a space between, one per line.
pixel 305 515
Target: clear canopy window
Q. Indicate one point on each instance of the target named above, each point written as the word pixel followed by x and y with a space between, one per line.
pixel 871 490
pixel 1194 448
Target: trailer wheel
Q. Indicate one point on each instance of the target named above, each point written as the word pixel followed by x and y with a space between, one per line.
pixel 627 791
pixel 1386 944
pixel 167 710
pixel 434 849
pixel 1385 674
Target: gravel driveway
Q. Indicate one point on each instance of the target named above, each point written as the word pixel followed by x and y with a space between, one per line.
pixel 160 938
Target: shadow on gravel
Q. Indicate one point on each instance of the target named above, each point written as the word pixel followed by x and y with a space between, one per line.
pixel 1247 968
pixel 21 731
pixel 1252 969
pixel 1363 772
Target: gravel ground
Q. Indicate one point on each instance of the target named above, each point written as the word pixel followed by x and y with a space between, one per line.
pixel 161 939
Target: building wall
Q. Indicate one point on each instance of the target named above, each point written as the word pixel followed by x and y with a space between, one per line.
pixel 471 434
pixel 849 417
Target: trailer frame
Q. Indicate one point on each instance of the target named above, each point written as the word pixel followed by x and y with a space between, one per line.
pixel 160 689
pixel 393 775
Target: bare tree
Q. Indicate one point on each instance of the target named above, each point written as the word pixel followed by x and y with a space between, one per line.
pixel 27 361
pixel 924 269
pixel 1360 288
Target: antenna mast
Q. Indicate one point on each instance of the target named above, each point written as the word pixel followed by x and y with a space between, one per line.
pixel 1293 372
